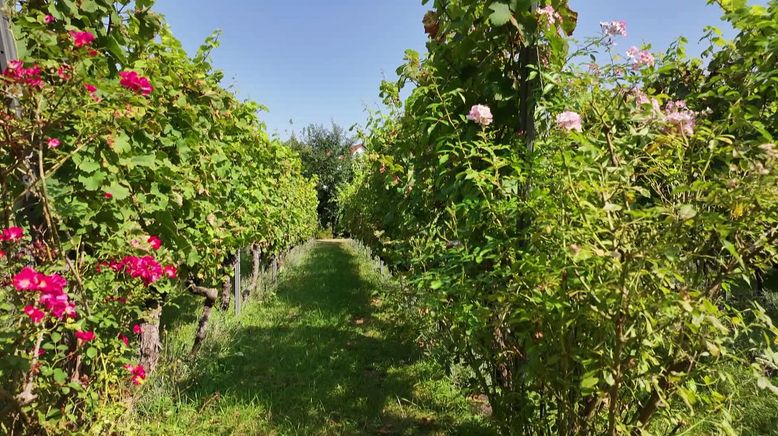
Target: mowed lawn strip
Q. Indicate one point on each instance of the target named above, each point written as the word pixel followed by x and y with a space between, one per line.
pixel 321 357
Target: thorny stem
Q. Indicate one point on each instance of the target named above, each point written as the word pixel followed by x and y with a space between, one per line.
pixel 44 196
pixel 27 396
pixel 53 169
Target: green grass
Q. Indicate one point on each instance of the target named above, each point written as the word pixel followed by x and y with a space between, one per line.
pixel 320 357
pixel 324 356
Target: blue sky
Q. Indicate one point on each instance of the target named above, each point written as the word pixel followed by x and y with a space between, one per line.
pixel 316 61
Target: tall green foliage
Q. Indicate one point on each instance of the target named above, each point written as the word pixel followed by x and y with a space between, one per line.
pixel 134 176
pixel 572 239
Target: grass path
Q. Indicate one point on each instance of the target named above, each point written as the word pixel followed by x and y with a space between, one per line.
pixel 321 357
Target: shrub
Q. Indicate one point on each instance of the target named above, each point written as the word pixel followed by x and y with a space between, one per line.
pixel 572 231
pixel 133 177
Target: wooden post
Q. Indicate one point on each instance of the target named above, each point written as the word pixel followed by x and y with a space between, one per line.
pixel 256 271
pixel 237 283
pixel 150 342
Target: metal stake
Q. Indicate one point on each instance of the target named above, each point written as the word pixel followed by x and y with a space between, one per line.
pixel 7 43
pixel 237 283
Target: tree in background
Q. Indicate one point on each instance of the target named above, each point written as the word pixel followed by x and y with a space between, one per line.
pixel 325 154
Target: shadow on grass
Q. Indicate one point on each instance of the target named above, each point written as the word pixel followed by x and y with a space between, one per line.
pixel 185 309
pixel 325 364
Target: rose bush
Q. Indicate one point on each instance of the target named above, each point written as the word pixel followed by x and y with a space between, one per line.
pixel 571 233
pixel 128 176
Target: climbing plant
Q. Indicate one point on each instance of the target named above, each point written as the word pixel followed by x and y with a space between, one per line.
pixel 129 176
pixel 572 222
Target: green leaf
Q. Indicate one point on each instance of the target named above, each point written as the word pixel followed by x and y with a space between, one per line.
pixel 731 5
pixel 589 383
pixel 501 14
pixel 118 191
pixel 93 182
pixel 88 5
pixel 121 144
pixel 569 20
pixel 115 49
pixel 59 375
pixel 687 212
pixel 146 160
pixel 688 397
pixel 91 352
pixel 193 257
pixel 88 165
pixel 713 349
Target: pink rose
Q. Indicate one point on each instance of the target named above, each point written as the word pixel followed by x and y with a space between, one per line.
pixel 680 117
pixel 12 234
pixel 480 114
pixel 15 65
pixel 35 314
pixel 85 336
pixel 549 16
pixel 81 39
pixel 569 121
pixel 614 28
pixel 640 58
pixel 170 272
pixel 134 82
pixel 53 284
pixel 155 242
pixel 64 72
pixel 26 280
pixel 138 373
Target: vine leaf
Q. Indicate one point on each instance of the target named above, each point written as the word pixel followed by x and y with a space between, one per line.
pixel 569 20
pixel 733 5
pixel 118 191
pixel 501 14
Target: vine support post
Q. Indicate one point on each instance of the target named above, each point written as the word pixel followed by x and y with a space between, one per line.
pixel 7 54
pixel 150 342
pixel 7 43
pixel 237 283
pixel 254 283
